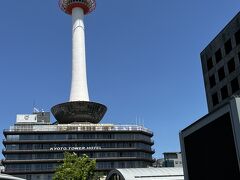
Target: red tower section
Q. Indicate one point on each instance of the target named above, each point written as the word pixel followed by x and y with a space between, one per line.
pixel 87 5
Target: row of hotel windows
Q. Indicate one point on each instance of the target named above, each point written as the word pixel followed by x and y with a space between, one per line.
pixel 52 166
pixel 102 145
pixel 100 165
pixel 91 155
pixel 129 136
pixel 36 176
pixel 228 48
pixel 224 91
pixel 31 167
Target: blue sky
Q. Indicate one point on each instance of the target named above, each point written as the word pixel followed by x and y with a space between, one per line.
pixel 143 60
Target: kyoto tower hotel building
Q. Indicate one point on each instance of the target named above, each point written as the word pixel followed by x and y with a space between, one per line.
pixel 34 147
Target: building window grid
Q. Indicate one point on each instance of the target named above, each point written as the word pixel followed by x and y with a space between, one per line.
pixel 53 166
pixel 90 154
pixel 139 145
pixel 117 136
pixel 231 67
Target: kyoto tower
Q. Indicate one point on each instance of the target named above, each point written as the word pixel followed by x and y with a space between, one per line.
pixel 79 108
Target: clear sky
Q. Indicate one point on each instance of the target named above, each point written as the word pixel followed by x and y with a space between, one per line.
pixel 143 60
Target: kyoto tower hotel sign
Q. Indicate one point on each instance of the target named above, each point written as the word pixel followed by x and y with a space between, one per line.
pixel 79 108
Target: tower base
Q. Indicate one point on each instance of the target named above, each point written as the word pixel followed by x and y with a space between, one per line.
pixel 78 111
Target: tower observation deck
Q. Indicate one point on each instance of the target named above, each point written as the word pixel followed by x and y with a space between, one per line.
pixel 68 5
pixel 79 108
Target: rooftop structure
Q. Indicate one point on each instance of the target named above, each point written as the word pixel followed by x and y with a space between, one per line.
pixel 146 173
pixel 172 159
pixel 9 177
pixel 76 128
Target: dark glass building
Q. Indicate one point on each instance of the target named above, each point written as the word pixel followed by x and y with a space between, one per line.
pixel 34 147
pixel 211 145
pixel 221 65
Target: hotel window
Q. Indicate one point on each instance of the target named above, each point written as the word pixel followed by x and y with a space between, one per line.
pixel 218 55
pixel 231 65
pixel 228 46
pixel 221 74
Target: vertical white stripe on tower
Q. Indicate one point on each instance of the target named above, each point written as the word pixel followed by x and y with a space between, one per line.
pixel 79 89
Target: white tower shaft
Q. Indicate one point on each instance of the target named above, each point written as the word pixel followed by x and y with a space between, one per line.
pixel 79 88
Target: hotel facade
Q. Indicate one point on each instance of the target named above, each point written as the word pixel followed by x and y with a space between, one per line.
pixel 34 148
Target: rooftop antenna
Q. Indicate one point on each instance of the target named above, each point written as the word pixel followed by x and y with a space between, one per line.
pixel 35 110
pixel 136 121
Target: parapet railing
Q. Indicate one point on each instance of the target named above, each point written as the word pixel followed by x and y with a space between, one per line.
pixel 77 127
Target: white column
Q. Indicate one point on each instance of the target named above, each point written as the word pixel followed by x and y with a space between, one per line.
pixel 79 89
